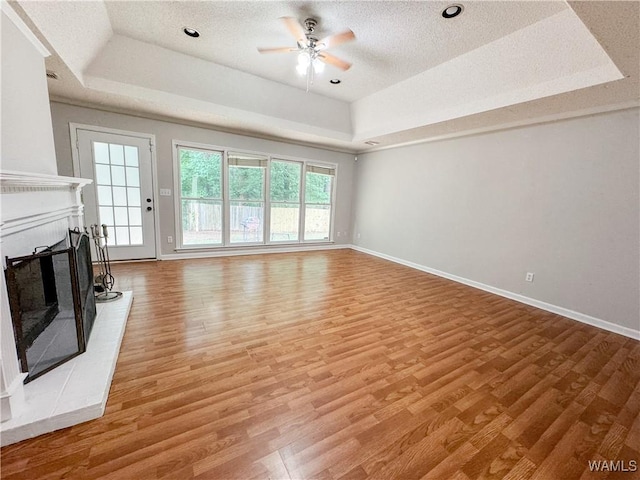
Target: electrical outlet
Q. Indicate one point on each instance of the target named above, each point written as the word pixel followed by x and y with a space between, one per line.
pixel 529 277
pixel 338 233
pixel 358 235
pixel 169 239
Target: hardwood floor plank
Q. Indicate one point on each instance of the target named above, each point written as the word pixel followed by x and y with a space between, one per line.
pixel 554 433
pixel 375 439
pixel 448 467
pixel 275 467
pixel 414 454
pixel 521 470
pixel 560 462
pixel 335 440
pixel 336 364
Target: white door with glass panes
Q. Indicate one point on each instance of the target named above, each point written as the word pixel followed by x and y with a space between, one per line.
pixel 122 193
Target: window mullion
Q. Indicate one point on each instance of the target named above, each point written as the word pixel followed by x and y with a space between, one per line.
pixel 303 187
pixel 332 205
pixel 226 203
pixel 266 204
pixel 177 188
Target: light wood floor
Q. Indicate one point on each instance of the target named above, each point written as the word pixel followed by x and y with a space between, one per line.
pixel 337 364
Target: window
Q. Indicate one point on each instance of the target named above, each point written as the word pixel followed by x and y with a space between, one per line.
pixel 117 175
pixel 318 202
pixel 247 174
pixel 285 201
pixel 200 196
pixel 234 198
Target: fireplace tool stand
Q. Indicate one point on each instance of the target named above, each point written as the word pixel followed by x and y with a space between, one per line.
pixel 104 281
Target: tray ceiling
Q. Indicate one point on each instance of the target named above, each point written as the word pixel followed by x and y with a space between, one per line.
pixel 415 75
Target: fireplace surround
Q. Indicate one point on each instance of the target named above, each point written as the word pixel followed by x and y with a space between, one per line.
pixel 39 209
pixel 36 209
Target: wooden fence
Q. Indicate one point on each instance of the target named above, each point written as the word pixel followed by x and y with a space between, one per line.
pixel 201 222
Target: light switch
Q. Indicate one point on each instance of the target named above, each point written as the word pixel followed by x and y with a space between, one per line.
pixel 165 192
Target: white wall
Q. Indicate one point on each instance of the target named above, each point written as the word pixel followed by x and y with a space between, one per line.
pixel 559 199
pixel 27 146
pixel 27 138
pixel 166 132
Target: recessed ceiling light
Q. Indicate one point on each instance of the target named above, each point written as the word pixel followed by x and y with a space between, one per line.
pixel 452 11
pixel 335 81
pixel 372 143
pixel 52 75
pixel 192 32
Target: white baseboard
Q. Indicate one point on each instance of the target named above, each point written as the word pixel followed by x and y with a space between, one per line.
pixel 229 252
pixel 580 317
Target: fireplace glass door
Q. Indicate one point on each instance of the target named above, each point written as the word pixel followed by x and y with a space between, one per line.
pixel 52 304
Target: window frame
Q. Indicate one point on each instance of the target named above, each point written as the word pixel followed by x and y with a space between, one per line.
pixel 226 202
pixel 279 158
pixel 303 201
pixel 265 186
pixel 177 195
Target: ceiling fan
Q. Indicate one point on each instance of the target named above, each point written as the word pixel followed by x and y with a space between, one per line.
pixel 311 51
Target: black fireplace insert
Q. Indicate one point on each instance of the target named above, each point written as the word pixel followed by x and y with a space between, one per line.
pixel 52 303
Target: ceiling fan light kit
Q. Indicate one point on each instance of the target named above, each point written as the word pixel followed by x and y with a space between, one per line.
pixel 312 56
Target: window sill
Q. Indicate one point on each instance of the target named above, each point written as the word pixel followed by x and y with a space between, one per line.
pixel 244 246
pixel 229 251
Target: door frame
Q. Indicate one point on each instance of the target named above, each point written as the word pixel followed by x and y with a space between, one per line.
pixel 75 157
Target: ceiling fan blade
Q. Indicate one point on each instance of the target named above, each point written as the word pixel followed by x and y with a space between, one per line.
pixel 337 39
pixel 295 28
pixel 277 50
pixel 333 60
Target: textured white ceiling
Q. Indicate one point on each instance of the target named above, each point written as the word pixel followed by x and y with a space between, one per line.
pixel 394 40
pixel 133 57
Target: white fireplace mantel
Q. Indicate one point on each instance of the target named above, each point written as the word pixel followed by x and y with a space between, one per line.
pixel 9 178
pixel 30 200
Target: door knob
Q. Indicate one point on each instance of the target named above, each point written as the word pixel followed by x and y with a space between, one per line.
pixel 148 200
pixel 149 209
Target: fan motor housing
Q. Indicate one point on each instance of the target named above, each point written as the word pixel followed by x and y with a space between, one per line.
pixel 310 24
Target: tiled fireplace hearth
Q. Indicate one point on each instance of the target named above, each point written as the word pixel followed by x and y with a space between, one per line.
pixel 38 210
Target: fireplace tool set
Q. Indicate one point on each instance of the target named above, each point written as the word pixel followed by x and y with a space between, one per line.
pixel 103 282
